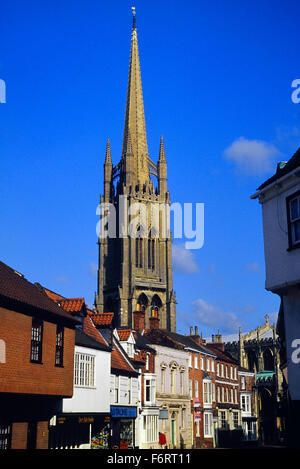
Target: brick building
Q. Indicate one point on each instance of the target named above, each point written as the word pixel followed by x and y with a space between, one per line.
pixel 202 374
pixel 248 403
pixel 36 366
pixel 229 432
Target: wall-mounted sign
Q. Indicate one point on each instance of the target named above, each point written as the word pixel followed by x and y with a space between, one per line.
pixel 163 414
pixel 119 411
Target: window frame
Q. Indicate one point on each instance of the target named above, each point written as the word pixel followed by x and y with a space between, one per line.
pixel 207 424
pixel 150 389
pixel 84 370
pixel 59 348
pixel 292 244
pixel 36 324
pixel 5 434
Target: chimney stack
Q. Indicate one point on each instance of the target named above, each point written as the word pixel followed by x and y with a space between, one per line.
pixel 139 321
pixel 191 331
pixel 154 321
pixel 196 338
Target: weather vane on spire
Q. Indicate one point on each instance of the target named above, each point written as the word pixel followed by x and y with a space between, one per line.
pixel 133 12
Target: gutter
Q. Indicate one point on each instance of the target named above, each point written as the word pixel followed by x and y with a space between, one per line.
pixel 295 173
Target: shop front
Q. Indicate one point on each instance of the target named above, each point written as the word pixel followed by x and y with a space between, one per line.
pixel 123 427
pixel 82 431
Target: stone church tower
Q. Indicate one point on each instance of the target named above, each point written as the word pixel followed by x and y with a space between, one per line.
pixel 135 272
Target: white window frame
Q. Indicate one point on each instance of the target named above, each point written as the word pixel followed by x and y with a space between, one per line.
pixel 243 382
pixel 150 389
pixel 196 365
pixel 84 370
pixel 208 424
pixel 196 388
pixel 197 424
pixel 207 393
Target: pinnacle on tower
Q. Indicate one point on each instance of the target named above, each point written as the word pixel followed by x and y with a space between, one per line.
pixel 162 155
pixel 108 153
pixel 107 172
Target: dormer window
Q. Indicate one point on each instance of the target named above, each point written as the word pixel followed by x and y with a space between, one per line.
pixel 130 349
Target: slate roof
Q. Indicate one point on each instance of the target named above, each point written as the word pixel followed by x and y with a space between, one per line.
pixel 142 342
pixel 159 337
pixel 188 342
pixel 283 169
pixel 174 340
pixel 222 356
pixel 16 289
pixel 85 340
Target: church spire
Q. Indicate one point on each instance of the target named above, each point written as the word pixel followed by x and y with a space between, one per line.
pixel 135 116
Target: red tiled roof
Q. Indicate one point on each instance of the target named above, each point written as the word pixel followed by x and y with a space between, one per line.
pixel 72 305
pixel 118 361
pixel 102 319
pixel 51 294
pixel 15 288
pixel 90 330
pixel 124 334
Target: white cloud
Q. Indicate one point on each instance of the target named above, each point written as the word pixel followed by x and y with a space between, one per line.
pixel 183 260
pixel 213 316
pixel 254 157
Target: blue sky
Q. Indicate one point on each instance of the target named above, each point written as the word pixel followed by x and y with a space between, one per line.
pixel 217 85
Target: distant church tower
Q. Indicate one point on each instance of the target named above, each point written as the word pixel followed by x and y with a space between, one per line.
pixel 135 273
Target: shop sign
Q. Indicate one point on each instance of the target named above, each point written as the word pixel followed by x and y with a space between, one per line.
pixel 85 419
pixel 119 411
